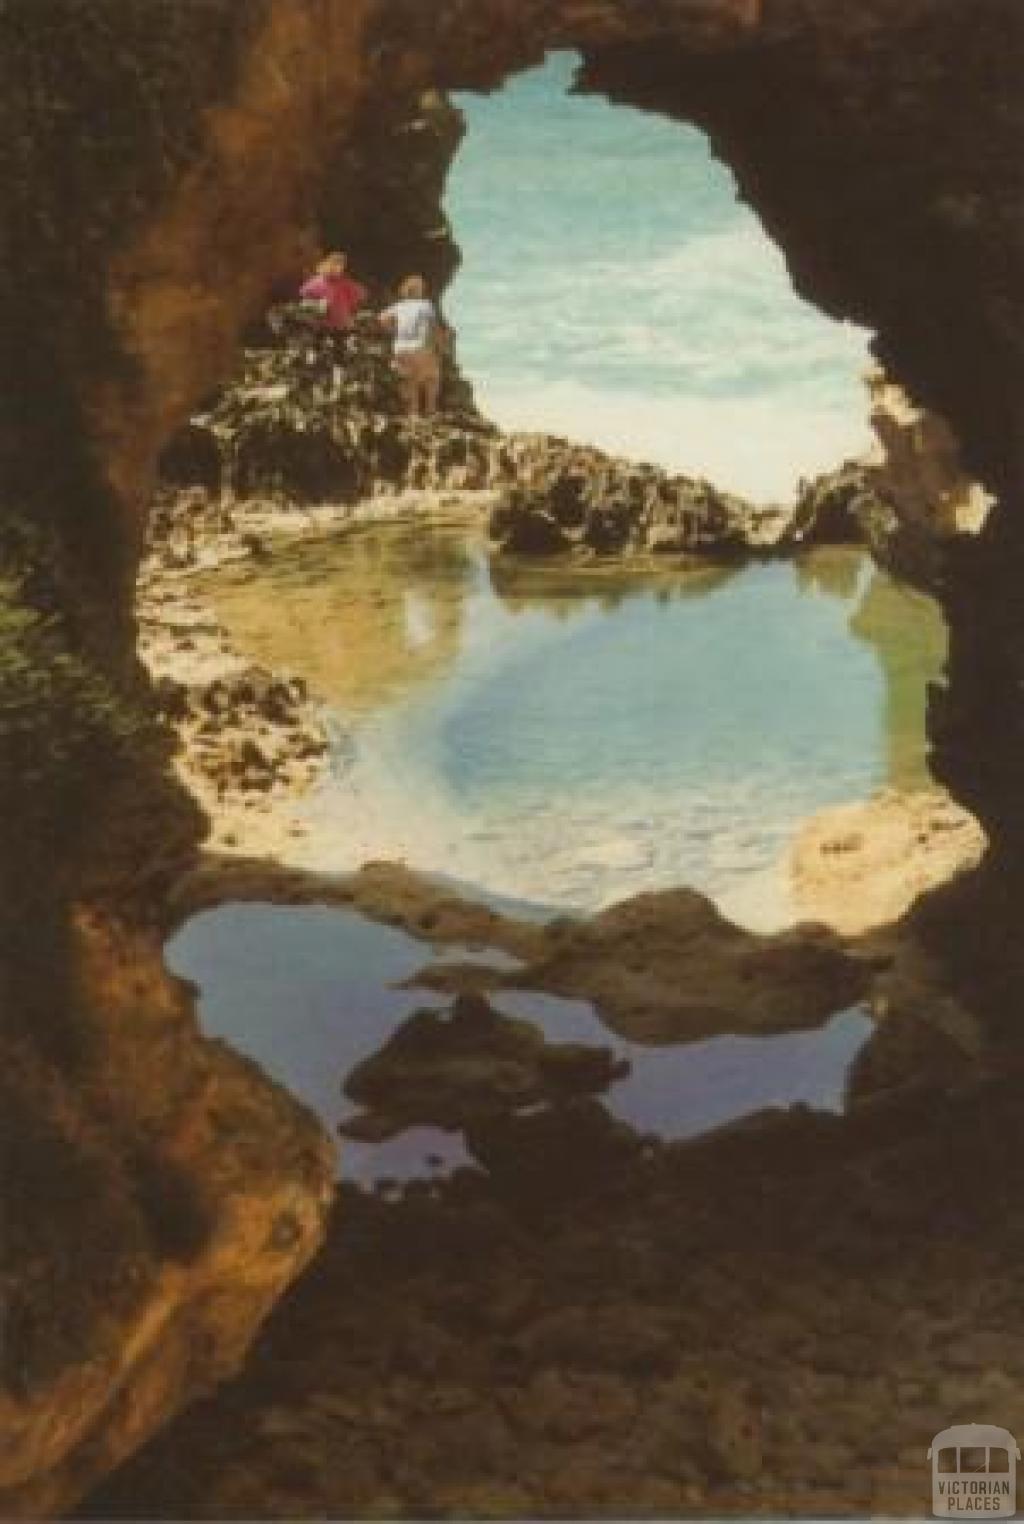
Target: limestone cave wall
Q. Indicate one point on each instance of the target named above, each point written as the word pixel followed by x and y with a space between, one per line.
pixel 165 168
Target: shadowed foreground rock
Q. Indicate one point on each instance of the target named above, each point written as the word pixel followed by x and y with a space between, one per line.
pixel 773 1320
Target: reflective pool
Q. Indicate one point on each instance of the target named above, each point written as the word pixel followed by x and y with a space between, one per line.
pixel 569 738
pixel 310 992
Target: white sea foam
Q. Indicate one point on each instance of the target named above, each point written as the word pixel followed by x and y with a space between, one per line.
pixel 756 446
pixel 615 290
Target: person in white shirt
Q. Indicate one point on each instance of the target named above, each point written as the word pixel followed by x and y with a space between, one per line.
pixel 417 338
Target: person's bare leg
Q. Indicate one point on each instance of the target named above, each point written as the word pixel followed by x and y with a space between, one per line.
pixel 430 383
pixel 409 385
pixel 418 363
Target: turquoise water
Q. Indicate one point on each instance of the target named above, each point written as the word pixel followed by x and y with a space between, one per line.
pixel 614 289
pixel 569 742
pixel 311 992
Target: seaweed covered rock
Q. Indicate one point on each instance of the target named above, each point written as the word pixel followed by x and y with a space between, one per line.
pixel 572 497
pixel 310 418
pixel 523 526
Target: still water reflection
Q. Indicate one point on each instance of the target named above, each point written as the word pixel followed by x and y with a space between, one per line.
pixel 572 739
pixel 310 992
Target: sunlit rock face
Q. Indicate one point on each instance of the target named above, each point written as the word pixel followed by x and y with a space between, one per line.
pixel 163 1194
pixel 918 472
pixel 166 168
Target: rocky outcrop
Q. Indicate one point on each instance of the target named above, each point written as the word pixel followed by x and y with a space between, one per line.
pixel 314 421
pixel 638 963
pixel 836 508
pixel 463 1068
pixel 572 499
pixel 311 420
pixel 577 499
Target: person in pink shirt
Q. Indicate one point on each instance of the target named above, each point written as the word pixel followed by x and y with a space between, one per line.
pixel 333 286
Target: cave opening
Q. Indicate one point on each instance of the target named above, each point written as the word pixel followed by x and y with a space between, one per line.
pixel 550 728
pixel 553 1328
pixel 617 286
pixel 558 727
pixel 614 288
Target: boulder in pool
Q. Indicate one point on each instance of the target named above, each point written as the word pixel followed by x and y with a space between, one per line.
pixel 666 967
pixel 454 1068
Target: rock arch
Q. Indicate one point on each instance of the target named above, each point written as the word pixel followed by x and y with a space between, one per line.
pixel 164 167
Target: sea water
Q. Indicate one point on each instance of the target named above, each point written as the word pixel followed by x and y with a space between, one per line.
pixel 614 289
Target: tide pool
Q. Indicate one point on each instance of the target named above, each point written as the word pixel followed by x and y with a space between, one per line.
pixel 311 992
pixel 567 739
